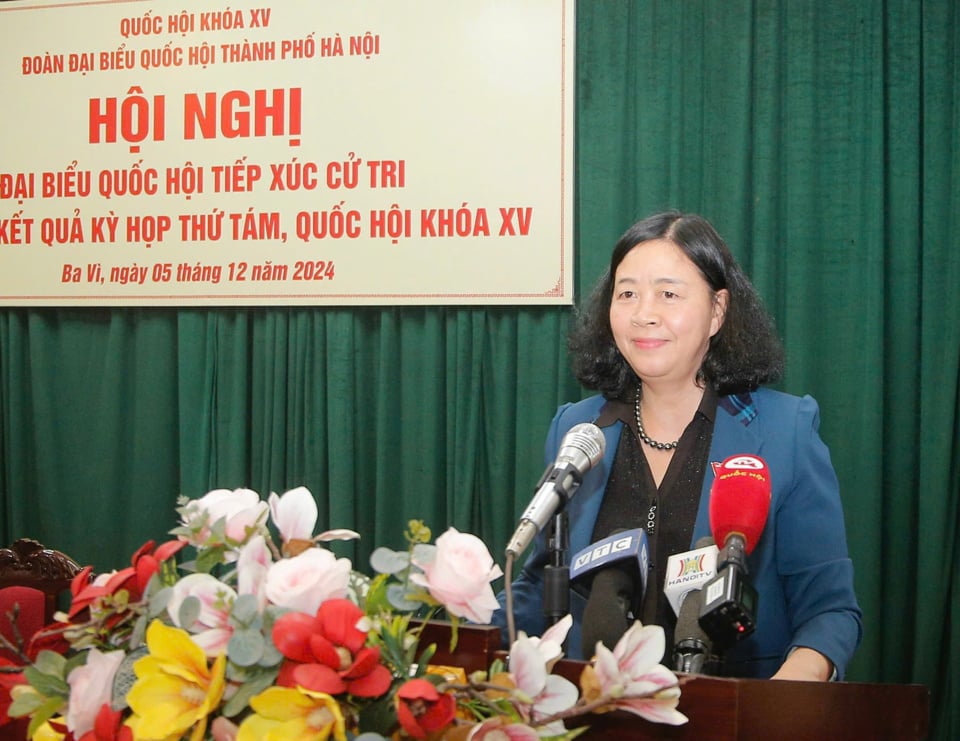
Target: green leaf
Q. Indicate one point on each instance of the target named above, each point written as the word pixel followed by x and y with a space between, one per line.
pixel 139 632
pixel 380 716
pixel 454 633
pixel 252 687
pixel 44 713
pixel 424 553
pixel 25 704
pixel 158 602
pixel 397 596
pixel 376 599
pixel 189 612
pixel 50 662
pixel 78 659
pixel 209 558
pixel 271 656
pixel 388 561
pixel 48 685
pixel 245 647
pixel 245 611
pixel 424 659
pixel 189 566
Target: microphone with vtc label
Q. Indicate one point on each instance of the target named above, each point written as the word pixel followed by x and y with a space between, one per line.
pixel 612 575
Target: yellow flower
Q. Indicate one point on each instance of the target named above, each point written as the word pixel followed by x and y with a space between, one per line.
pixel 46 732
pixel 285 714
pixel 175 689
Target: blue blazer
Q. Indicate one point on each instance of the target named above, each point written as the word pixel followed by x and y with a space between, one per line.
pixel 800 566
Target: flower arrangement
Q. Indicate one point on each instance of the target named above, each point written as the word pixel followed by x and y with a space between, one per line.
pixel 253 640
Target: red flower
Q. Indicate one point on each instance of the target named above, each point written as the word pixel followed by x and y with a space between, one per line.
pixel 108 726
pixel 144 563
pixel 48 638
pixel 147 561
pixel 326 653
pixel 422 710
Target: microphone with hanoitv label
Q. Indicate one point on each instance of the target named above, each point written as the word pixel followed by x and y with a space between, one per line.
pixel 739 504
pixel 687 573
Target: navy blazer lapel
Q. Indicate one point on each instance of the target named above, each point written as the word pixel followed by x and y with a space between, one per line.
pixel 730 437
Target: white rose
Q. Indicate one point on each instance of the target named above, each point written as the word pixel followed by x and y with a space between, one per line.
pixel 303 582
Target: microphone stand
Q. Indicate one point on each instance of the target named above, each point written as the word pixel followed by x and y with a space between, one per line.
pixel 556 574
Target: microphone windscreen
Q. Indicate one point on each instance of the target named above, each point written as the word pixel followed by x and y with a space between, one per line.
pixel 688 621
pixel 692 645
pixel 626 550
pixel 740 499
pixel 582 446
pixel 605 615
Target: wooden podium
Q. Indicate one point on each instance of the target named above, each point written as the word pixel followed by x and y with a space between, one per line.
pixel 722 709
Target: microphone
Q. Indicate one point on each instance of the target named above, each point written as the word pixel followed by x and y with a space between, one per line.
pixel 625 550
pixel 580 450
pixel 612 574
pixel 739 503
pixel 686 574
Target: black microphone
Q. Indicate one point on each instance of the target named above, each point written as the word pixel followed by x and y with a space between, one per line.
pixel 581 449
pixel 692 648
pixel 612 573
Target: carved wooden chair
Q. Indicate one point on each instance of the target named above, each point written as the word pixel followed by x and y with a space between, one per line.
pixel 31 579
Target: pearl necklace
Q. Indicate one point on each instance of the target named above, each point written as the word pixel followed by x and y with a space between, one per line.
pixel 645 437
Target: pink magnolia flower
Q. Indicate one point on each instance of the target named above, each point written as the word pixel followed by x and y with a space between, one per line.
pixel 550 644
pixel 91 686
pixel 547 693
pixel 212 630
pixel 295 515
pixel 241 510
pixel 253 564
pixel 303 582
pixel 459 576
pixel 634 677
pixel 501 729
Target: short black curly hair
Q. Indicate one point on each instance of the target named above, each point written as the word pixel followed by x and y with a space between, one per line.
pixel 744 354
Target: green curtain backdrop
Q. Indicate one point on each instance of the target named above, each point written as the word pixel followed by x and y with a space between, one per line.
pixel 822 139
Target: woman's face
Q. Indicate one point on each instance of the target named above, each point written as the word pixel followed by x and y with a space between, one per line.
pixel 663 313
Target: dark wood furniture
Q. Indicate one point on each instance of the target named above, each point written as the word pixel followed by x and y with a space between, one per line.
pixel 31 579
pixel 721 709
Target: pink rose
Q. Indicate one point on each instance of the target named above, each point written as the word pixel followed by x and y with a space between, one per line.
pixel 304 581
pixel 91 686
pixel 459 576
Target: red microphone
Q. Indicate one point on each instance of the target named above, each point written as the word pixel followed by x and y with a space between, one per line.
pixel 739 503
pixel 740 500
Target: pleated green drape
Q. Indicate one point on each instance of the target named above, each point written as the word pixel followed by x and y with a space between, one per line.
pixel 822 139
pixel 385 414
